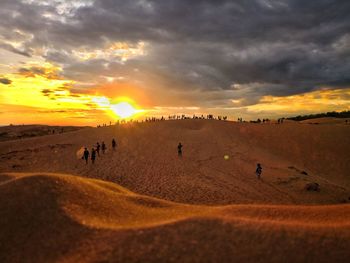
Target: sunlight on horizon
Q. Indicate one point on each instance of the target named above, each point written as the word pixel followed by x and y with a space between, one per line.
pixel 123 110
pixel 39 93
pixel 122 107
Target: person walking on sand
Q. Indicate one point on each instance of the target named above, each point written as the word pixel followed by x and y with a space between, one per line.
pixel 179 150
pixel 98 146
pixel 93 155
pixel 114 144
pixel 103 147
pixel 86 155
pixel 258 170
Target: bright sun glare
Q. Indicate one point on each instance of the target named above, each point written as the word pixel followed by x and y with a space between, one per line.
pixel 123 109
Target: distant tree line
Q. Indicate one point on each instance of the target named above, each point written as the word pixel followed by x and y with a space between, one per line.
pixel 343 114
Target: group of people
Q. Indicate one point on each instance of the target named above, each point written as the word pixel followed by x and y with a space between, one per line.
pixel 281 120
pixel 184 117
pixel 195 117
pixel 95 151
pixel 170 117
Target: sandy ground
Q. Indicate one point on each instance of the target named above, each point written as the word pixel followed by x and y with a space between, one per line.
pixel 326 120
pixel 14 132
pixel 152 206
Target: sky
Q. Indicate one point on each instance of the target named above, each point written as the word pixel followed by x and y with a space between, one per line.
pixel 72 61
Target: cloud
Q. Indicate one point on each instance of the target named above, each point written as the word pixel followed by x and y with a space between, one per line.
pixel 204 53
pixel 318 101
pixel 47 71
pixel 11 48
pixel 5 81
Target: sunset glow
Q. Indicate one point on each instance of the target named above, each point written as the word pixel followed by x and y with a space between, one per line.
pixel 174 131
pixel 87 62
pixel 321 101
pixel 38 94
pixel 123 110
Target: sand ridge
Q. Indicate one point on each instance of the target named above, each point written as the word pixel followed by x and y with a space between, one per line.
pixel 35 206
pixel 141 203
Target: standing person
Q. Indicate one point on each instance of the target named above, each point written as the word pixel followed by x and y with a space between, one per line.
pixel 86 155
pixel 114 144
pixel 258 170
pixel 93 155
pixel 179 150
pixel 98 146
pixel 103 147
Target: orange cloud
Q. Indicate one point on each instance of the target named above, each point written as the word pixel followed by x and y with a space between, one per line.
pixel 46 70
pixel 313 102
pixel 38 95
pixel 123 89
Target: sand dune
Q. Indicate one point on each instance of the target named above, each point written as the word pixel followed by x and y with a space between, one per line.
pixel 142 203
pixel 146 160
pixel 14 132
pixel 327 120
pixel 60 217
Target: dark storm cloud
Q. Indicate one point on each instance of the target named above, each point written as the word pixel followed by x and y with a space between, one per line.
pixel 11 48
pixel 198 48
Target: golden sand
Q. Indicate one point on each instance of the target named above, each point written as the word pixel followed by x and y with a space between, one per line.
pixel 142 203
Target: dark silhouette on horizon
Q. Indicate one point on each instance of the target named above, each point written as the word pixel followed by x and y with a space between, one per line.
pixel 179 150
pixel 114 144
pixel 86 155
pixel 98 146
pixel 93 155
pixel 103 147
pixel 258 170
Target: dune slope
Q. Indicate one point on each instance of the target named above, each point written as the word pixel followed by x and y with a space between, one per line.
pixel 60 217
pixel 146 160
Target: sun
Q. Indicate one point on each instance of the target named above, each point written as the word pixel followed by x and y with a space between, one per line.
pixel 122 107
pixel 123 110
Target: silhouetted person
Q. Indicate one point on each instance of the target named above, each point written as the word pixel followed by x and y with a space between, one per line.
pixel 114 144
pixel 93 155
pixel 103 147
pixel 86 155
pixel 98 146
pixel 179 149
pixel 258 170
